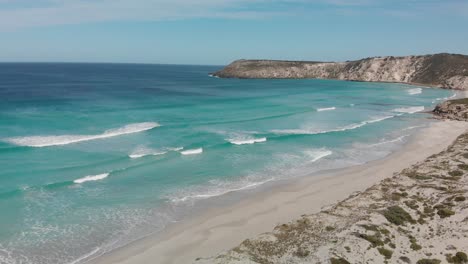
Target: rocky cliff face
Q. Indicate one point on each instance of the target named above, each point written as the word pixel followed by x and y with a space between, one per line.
pixel 440 70
pixel 452 109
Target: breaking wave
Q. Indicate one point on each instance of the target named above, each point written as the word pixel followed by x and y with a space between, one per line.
pixel 247 141
pixel 143 151
pixel 92 178
pixel 414 91
pixel 192 151
pixel 409 110
pixel 318 154
pixel 326 109
pixel 398 139
pixel 46 141
pixel 215 188
pixel 316 132
pixel 445 98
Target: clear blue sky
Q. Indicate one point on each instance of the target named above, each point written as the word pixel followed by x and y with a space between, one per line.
pixel 219 31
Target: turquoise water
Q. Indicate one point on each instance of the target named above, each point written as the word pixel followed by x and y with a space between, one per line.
pixel 94 156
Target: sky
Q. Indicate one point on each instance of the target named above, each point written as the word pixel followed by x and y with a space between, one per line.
pixel 216 32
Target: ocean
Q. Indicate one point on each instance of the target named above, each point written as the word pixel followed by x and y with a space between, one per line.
pixel 95 156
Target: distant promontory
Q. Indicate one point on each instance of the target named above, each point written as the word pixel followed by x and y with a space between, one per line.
pixel 443 70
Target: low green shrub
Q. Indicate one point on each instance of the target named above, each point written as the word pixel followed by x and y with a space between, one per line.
pixel 339 261
pixel 445 212
pixel 455 173
pixel 397 215
pixel 385 252
pixel 373 239
pixel 459 258
pixel 428 261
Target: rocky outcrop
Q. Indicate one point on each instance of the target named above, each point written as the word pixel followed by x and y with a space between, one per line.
pixel 452 109
pixel 440 70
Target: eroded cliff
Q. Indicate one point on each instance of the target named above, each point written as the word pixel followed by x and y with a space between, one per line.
pixel 440 70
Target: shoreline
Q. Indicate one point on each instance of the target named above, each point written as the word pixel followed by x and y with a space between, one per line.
pixel 221 228
pixel 442 70
pixel 421 85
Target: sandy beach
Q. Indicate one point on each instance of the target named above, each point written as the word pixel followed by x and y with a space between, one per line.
pixel 221 229
pixel 233 132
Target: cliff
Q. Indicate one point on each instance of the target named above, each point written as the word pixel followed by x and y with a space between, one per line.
pixel 452 109
pixel 440 70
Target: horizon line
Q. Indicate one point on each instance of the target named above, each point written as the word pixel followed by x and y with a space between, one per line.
pixel 94 62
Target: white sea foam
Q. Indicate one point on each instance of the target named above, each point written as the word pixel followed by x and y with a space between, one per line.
pixel 143 151
pixel 136 156
pixel 216 188
pixel 315 132
pixel 318 154
pixel 247 141
pixel 45 141
pixel 409 110
pixel 445 98
pixel 326 109
pixel 411 127
pixel 398 139
pixel 85 256
pixel 414 91
pixel 192 151
pixel 92 178
pixel 175 149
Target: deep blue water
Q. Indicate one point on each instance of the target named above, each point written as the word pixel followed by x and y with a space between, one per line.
pixel 93 156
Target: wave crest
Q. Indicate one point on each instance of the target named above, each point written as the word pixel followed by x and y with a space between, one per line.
pixel 214 188
pixel 316 132
pixel 318 154
pixel 192 151
pixel 143 151
pixel 92 178
pixel 247 141
pixel 414 91
pixel 326 109
pixel 46 141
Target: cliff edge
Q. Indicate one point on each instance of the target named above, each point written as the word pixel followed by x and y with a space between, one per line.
pixel 452 109
pixel 443 70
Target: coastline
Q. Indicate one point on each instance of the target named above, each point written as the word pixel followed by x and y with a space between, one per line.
pixel 441 70
pixel 219 229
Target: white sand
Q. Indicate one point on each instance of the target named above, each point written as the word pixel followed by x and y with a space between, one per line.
pixel 221 229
